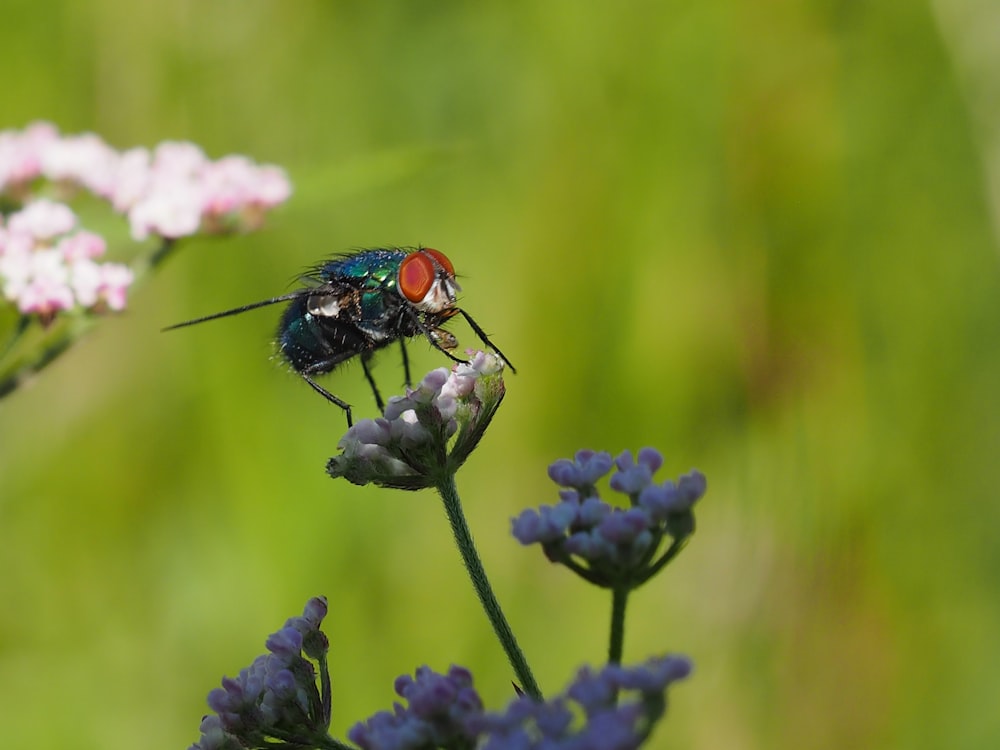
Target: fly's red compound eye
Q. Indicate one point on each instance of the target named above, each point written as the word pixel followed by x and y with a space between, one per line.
pixel 441 258
pixel 416 275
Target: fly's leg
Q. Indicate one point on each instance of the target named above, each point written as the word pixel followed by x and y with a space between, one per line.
pixel 366 359
pixel 484 338
pixel 329 396
pixel 435 336
pixel 406 363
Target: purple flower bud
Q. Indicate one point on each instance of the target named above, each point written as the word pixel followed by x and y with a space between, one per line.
pixel 613 729
pixel 692 486
pixel 396 407
pixel 580 473
pixel 215 737
pixel 442 711
pixel 282 684
pixel 315 611
pixel 594 691
pixel 252 678
pixel 660 500
pixel 570 496
pixel 593 465
pixel 651 458
pixel 624 526
pixel 286 644
pixel 407 431
pixel 655 675
pixel 373 431
pixel 553 719
pixel 592 511
pixel 589 545
pixel 565 473
pixel 639 547
pixel 284 703
pixel 433 381
pixel 277 695
pixel 632 479
pixel 426 434
pixel 546 525
pixel 624 460
pixel 599 711
pixel 226 699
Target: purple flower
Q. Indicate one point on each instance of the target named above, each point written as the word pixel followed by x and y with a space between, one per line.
pixel 582 472
pixel 590 545
pixel 614 708
pixel 633 476
pixel 426 434
pixel 670 498
pixel 315 612
pixel 546 524
pixel 692 486
pixel 276 697
pixel 624 527
pixel 286 644
pixel 214 737
pixel 442 711
pixel 607 545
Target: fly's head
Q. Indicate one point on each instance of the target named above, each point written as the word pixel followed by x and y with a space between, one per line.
pixel 427 281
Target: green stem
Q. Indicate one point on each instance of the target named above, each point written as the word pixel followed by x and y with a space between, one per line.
pixel 463 538
pixel 20 327
pixel 675 548
pixel 50 351
pixel 619 598
pixel 45 356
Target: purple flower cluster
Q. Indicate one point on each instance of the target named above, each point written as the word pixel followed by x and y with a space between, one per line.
pixel 443 712
pixel 426 434
pixel 171 191
pixel 276 697
pixel 47 263
pixel 612 546
pixel 614 708
pixel 619 707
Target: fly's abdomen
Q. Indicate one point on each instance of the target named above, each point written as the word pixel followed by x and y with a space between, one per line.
pixel 315 345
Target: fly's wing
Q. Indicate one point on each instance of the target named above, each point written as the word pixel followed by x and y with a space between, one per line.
pixel 335 300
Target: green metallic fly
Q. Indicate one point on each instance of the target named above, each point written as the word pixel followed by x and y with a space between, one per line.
pixel 355 304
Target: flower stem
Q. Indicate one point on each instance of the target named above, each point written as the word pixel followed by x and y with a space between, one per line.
pixel 463 538
pixel 619 598
pixel 44 356
pixel 50 350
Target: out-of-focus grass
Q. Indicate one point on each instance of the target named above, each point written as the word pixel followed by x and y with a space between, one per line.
pixel 757 238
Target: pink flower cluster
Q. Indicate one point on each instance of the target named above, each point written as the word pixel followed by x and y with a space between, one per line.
pixel 47 263
pixel 171 191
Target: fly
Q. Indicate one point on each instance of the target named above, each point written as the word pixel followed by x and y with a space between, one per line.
pixel 355 304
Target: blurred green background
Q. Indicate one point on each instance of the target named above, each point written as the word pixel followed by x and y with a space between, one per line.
pixel 758 236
